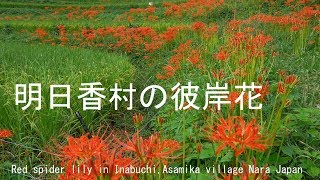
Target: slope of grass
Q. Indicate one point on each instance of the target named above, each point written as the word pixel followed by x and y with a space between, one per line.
pixel 49 65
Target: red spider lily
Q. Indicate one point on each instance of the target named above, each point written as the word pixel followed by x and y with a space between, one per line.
pixel 199 26
pixel 261 40
pixel 263 91
pixel 134 40
pixel 237 134
pixel 93 152
pixel 140 13
pixel 294 28
pixel 62 34
pixel 183 51
pixel 244 43
pixel 137 119
pixel 238 38
pixel 232 81
pixel 5 133
pixel 161 77
pixel 184 47
pixel 172 9
pixel 281 88
pixel 207 31
pixel 307 12
pixel 89 34
pixel 240 72
pixel 282 73
pixel 260 78
pixel 212 29
pixel 150 151
pixel 219 75
pixel 233 96
pixel 41 33
pixel 195 57
pixel 249 29
pixel 160 121
pixel 62 30
pixel 222 55
pixel 151 9
pixel 288 2
pixel 170 34
pixel 228 176
pixel 90 14
pixel 295 20
pixel 235 24
pixel 275 54
pixel 169 70
pixel 77 12
pixel 83 152
pixel 199 147
pixel 194 8
pixel 291 80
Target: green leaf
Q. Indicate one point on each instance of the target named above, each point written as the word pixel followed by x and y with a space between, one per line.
pixel 314 171
pixel 207 151
pixel 284 160
pixel 227 157
pixel 306 163
pixel 287 150
pixel 314 133
pixel 296 176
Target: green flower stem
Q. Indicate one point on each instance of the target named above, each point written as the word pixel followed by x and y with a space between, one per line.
pixel 184 144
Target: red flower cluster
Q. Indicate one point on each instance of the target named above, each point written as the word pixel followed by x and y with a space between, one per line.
pixel 181 53
pixel 246 46
pixel 150 151
pixel 237 134
pixel 218 75
pixel 233 96
pixel 140 14
pixel 263 91
pixel 96 152
pixel 41 33
pixel 62 35
pixel 133 40
pixel 75 12
pixel 5 133
pixel 185 51
pixel 294 20
pixel 144 39
pixel 222 55
pixel 92 12
pixel 26 17
pixel 287 82
pixel 93 152
pixel 206 31
pixel 194 8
